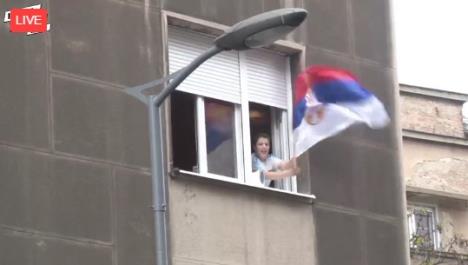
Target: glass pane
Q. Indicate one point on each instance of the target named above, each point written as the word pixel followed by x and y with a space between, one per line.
pixel 184 149
pixel 424 227
pixel 220 143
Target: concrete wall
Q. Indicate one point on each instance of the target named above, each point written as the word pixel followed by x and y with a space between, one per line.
pixel 436 166
pixel 356 176
pixel 74 149
pixel 223 224
pixel 452 218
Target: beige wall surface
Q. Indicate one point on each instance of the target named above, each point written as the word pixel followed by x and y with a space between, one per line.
pixel 214 224
pixel 435 172
pixel 453 222
pixel 431 115
pixel 435 166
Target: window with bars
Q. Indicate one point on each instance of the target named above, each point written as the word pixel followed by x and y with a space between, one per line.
pixel 221 106
pixel 422 225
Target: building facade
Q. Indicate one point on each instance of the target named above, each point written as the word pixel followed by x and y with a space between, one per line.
pixel 435 166
pixel 74 149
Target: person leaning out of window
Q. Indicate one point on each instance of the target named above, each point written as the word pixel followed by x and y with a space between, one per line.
pixel 269 166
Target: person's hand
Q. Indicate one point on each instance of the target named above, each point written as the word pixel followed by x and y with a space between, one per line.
pixel 296 169
pixel 292 171
pixel 294 162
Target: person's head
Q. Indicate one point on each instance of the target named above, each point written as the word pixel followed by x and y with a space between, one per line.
pixel 262 146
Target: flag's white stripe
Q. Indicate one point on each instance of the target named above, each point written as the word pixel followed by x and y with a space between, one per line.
pixel 338 117
pixel 371 110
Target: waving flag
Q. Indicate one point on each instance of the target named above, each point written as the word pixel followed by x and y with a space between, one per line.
pixel 329 100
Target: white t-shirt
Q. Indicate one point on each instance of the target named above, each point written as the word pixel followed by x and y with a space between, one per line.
pixel 270 164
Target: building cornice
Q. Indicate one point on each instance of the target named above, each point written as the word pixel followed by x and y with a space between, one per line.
pixel 436 193
pixel 443 139
pixel 434 93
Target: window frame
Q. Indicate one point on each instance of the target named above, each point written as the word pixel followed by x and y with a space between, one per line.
pixel 243 155
pixel 202 152
pixel 281 129
pixel 412 227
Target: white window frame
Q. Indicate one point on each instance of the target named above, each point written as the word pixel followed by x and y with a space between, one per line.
pixel 436 236
pixel 202 152
pixel 280 136
pixel 242 119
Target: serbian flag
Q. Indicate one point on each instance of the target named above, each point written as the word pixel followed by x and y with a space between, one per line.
pixel 329 100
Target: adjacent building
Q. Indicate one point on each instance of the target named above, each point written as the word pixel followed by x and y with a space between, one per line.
pixel 435 166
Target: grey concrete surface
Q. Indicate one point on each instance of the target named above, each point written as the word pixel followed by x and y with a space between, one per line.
pixel 99 122
pixel 325 33
pixel 106 40
pixel 222 225
pixel 22 248
pixel 55 195
pixel 133 217
pixel 24 92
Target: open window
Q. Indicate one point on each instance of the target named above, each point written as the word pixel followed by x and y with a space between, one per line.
pixel 220 107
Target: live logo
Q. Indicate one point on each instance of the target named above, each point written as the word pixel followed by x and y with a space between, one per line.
pixel 28 20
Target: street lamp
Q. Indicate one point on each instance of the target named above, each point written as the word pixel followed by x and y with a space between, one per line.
pixel 254 32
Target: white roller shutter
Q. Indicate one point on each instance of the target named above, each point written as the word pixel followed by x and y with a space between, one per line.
pixel 265 77
pixel 218 77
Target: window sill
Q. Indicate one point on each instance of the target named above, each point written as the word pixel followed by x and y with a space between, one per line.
pixel 182 174
pixel 438 254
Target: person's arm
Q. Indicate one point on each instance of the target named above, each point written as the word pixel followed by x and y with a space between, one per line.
pixel 290 164
pixel 277 175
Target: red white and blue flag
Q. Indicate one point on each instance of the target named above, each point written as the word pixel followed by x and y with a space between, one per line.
pixel 329 100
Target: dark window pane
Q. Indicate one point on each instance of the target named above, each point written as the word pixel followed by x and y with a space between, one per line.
pixel 183 131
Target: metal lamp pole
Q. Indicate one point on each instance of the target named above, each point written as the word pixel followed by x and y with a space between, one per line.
pixel 157 172
pixel 155 133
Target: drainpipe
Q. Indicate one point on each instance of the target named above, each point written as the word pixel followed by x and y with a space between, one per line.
pixel 158 183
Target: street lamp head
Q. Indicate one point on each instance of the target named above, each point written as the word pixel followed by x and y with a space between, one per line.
pixel 261 30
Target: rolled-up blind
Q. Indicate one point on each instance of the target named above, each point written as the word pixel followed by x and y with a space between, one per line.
pixel 218 77
pixel 266 77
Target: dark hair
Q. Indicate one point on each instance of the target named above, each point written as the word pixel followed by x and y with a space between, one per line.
pixel 262 135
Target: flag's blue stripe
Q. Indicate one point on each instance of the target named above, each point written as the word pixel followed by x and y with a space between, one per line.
pixel 335 91
pixel 298 113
